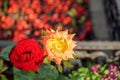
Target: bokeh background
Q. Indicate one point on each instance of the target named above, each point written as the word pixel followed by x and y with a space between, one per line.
pixel 90 20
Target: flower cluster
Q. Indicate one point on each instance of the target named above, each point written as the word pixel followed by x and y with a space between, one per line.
pixel 29 55
pixel 95 68
pixel 22 19
pixel 97 72
pixel 112 73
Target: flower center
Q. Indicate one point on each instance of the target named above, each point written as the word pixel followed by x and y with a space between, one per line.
pixel 58 45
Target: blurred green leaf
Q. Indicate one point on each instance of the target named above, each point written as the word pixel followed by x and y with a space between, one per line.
pixel 1 63
pixel 106 71
pixel 80 1
pixel 3 69
pixel 47 72
pixel 88 78
pixel 22 75
pixel 5 5
pixel 74 23
pixel 118 76
pixel 43 32
pixel 75 73
pixel 94 77
pixel 62 77
pixel 102 69
pixel 67 64
pixel 82 70
pixel 46 61
pixel 82 19
pixel 3 77
pixel 83 73
pixel 60 69
pixel 72 12
pixel 5 52
pixel 75 56
pixel 96 74
pixel 88 63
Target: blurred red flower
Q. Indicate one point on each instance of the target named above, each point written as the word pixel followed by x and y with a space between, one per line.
pixel 30 16
pixel 7 22
pixel 1 2
pixel 19 35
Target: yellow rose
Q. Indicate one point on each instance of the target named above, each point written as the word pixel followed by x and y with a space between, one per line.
pixel 59 45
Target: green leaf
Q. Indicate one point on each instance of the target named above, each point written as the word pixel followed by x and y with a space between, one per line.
pixel 46 61
pixel 60 69
pixel 1 63
pixel 5 5
pixel 82 73
pixel 47 72
pixel 94 77
pixel 62 77
pixel 82 19
pixel 75 56
pixel 118 76
pixel 3 77
pixel 102 69
pixel 106 72
pixel 74 23
pixel 67 64
pixel 72 12
pixel 88 63
pixel 88 78
pixel 80 1
pixel 5 52
pixel 3 69
pixel 22 75
pixel 43 32
pixel 75 73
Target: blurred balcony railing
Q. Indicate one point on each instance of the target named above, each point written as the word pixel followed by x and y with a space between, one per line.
pixel 84 45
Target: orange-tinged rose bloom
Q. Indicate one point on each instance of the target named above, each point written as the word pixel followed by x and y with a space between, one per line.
pixel 59 45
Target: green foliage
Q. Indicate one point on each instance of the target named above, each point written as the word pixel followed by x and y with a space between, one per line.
pixel 72 12
pixel 1 65
pixel 67 64
pixel 82 19
pixel 60 69
pixel 3 77
pixel 119 77
pixel 102 69
pixel 5 5
pixel 74 23
pixel 47 72
pixel 5 52
pixel 43 32
pixel 22 75
pixel 62 77
pixel 2 69
pixel 46 61
pixel 84 73
pixel 80 1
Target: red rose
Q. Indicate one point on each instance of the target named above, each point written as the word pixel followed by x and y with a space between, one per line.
pixel 27 55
